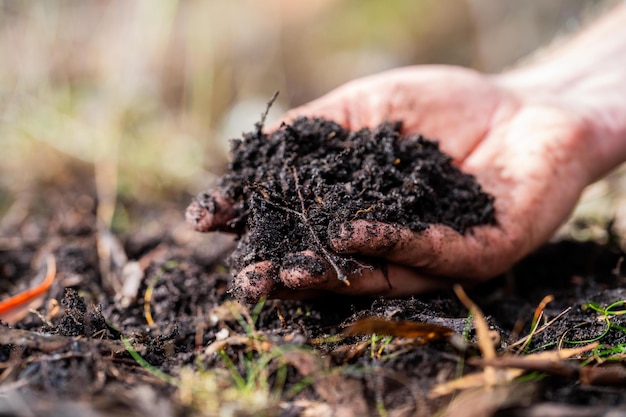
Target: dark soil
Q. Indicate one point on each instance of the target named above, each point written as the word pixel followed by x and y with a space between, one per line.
pixel 69 358
pixel 291 189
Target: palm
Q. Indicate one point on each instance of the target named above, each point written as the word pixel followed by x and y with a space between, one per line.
pixel 519 150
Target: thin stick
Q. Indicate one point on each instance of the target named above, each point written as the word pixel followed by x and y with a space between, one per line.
pixel 536 317
pixel 340 275
pixel 259 125
pixel 541 329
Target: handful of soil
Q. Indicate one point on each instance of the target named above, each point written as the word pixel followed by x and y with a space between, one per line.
pixel 292 188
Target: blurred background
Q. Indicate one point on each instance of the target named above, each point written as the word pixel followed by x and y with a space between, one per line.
pixel 137 100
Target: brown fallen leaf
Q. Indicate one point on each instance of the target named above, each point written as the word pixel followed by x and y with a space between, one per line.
pixel 553 362
pixel 610 374
pixel 399 328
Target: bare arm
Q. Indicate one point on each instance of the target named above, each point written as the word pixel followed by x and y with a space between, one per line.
pixel 588 72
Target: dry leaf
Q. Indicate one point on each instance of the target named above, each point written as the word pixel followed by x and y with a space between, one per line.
pixel 486 402
pixel 475 380
pixel 483 335
pixel 402 328
pixel 553 361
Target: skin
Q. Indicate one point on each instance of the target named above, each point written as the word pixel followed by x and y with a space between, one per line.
pixel 533 138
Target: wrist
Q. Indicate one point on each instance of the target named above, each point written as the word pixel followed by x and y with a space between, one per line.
pixel 596 104
pixel 586 76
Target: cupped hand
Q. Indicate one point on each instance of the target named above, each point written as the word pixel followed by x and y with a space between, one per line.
pixel 529 150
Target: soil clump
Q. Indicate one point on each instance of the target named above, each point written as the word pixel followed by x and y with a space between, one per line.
pixel 292 189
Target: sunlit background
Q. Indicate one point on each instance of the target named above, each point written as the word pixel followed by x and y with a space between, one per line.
pixel 139 98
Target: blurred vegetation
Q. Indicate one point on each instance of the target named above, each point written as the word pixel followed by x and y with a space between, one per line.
pixel 143 96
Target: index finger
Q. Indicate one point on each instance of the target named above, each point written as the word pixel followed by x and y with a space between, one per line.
pixel 210 212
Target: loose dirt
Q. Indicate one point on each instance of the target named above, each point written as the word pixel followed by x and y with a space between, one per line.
pixel 177 344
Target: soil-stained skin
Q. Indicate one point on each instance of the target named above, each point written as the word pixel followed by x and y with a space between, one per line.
pixel 381 238
pixel 295 189
pixel 210 212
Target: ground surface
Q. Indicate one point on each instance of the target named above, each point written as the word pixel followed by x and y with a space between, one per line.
pixel 176 344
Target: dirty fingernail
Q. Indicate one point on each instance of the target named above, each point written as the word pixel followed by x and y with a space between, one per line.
pixel 304 270
pixel 208 212
pixel 254 282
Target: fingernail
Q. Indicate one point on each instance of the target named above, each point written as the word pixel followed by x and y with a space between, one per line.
pixel 309 261
pixel 254 282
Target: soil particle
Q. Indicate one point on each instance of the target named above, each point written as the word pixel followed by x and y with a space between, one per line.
pixel 297 188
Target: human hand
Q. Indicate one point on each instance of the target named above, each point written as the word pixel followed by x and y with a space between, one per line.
pixel 529 151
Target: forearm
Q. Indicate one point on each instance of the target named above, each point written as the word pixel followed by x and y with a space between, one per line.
pixel 588 72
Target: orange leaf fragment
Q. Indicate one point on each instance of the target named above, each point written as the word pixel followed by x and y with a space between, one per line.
pixel 15 308
pixel 401 328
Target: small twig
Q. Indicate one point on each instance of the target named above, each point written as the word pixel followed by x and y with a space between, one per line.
pixel 536 318
pixel 259 125
pixel 541 329
pixel 362 211
pixel 340 275
pixel 484 340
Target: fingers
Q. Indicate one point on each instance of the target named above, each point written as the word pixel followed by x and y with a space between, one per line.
pixel 210 212
pixel 254 282
pixel 306 270
pixel 391 280
pixel 439 250
pixel 418 262
pixel 308 275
